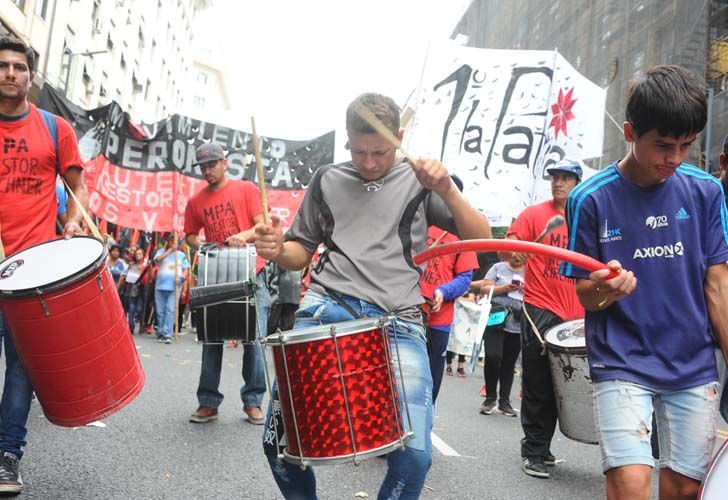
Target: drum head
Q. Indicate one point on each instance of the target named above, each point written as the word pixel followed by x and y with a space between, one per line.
pixel 40 267
pixel 716 479
pixel 567 336
pixel 311 333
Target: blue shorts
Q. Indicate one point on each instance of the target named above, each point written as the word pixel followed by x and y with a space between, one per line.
pixel 686 425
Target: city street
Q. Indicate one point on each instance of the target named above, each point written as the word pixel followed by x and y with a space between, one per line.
pixel 149 450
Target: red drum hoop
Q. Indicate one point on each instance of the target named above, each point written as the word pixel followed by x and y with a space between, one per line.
pixel 337 392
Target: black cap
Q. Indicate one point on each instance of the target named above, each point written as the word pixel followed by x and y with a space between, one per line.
pixel 207 153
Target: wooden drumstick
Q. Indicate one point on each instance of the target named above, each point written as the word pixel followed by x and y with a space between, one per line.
pixel 382 130
pixel 261 175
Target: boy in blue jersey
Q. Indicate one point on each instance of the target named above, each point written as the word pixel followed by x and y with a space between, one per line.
pixel 664 223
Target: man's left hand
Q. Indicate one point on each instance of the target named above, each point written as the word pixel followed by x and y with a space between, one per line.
pixel 432 175
pixel 236 240
pixel 71 229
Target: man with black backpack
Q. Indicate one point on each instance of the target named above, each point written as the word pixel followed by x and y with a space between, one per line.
pixel 35 146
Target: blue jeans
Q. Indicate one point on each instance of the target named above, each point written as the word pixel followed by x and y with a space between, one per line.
pixel 407 468
pixel 135 309
pixel 164 304
pixel 253 388
pixel 17 393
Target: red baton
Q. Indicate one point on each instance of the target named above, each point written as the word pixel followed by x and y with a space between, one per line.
pixel 579 260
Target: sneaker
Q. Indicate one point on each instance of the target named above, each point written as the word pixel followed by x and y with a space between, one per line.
pixel 167 340
pixel 549 460
pixel 506 409
pixel 255 415
pixel 461 373
pixel 10 480
pixel 487 407
pixel 448 370
pixel 483 392
pixel 160 338
pixel 204 414
pixel 534 466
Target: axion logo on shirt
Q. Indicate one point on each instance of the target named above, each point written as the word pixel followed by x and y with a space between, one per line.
pixel 660 251
pixel 655 221
pixel 606 234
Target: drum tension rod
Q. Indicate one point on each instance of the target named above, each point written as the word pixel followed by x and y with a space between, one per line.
pixel 99 282
pixel 43 304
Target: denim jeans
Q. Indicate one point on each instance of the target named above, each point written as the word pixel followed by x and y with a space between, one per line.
pixel 135 310
pixel 17 393
pixel 253 388
pixel 164 304
pixel 407 468
pixel 686 428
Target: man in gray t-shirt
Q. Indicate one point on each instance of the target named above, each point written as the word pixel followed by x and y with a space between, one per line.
pixel 372 215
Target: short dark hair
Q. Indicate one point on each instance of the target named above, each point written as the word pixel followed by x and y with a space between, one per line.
pixel 383 107
pixel 669 99
pixel 115 247
pixel 12 42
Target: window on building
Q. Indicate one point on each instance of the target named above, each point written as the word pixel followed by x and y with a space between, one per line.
pixel 199 102
pixel 41 8
pixel 109 42
pixel 20 4
pixel 202 78
pixel 146 89
pixel 102 91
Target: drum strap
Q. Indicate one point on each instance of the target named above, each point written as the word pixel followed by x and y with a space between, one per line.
pixel 535 330
pixel 339 300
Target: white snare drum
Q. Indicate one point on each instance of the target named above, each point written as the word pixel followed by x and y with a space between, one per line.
pixel 572 384
pixel 715 484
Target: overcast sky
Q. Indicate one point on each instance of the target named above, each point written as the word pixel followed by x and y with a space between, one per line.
pixel 295 64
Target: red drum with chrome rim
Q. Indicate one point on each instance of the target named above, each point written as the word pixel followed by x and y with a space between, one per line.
pixel 337 391
pixel 70 330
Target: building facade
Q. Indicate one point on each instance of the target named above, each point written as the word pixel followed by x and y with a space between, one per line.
pixel 134 52
pixel 611 42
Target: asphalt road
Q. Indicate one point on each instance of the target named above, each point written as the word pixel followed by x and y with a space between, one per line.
pixel 149 450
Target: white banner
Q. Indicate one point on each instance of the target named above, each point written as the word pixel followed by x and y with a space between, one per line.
pixel 498 118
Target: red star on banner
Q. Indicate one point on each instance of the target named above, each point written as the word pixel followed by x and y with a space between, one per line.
pixel 561 112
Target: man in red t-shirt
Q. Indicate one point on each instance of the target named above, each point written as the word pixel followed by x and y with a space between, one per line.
pixel 445 279
pixel 549 299
pixel 227 210
pixel 28 166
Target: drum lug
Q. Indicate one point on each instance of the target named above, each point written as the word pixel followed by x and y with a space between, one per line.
pixel 43 304
pixel 99 282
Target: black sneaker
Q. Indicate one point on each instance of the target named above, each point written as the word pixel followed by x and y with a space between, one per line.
pixel 487 407
pixel 534 466
pixel 506 409
pixel 10 480
pixel 549 460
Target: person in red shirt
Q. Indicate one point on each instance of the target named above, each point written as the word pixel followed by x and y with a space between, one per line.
pixel 227 210
pixel 445 279
pixel 549 299
pixel 28 167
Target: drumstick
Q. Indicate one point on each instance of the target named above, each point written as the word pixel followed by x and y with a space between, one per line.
pixel 261 176
pixel 438 240
pixel 554 223
pixel 382 130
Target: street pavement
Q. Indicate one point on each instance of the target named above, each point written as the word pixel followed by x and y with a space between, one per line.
pixel 149 450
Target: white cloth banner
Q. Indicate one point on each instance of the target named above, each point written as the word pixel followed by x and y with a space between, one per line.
pixel 498 118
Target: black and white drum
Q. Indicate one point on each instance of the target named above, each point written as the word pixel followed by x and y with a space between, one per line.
pixel 572 384
pixel 236 319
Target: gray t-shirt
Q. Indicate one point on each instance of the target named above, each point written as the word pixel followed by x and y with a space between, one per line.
pixel 502 275
pixel 371 231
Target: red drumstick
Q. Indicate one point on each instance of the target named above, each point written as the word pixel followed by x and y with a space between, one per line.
pixel 559 253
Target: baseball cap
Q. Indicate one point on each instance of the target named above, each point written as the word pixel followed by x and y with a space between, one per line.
pixel 570 166
pixel 206 153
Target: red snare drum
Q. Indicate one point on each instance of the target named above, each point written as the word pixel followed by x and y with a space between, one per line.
pixel 337 392
pixel 69 328
pixel 715 484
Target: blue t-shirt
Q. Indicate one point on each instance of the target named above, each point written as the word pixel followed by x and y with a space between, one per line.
pixel 61 198
pixel 165 269
pixel 668 235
